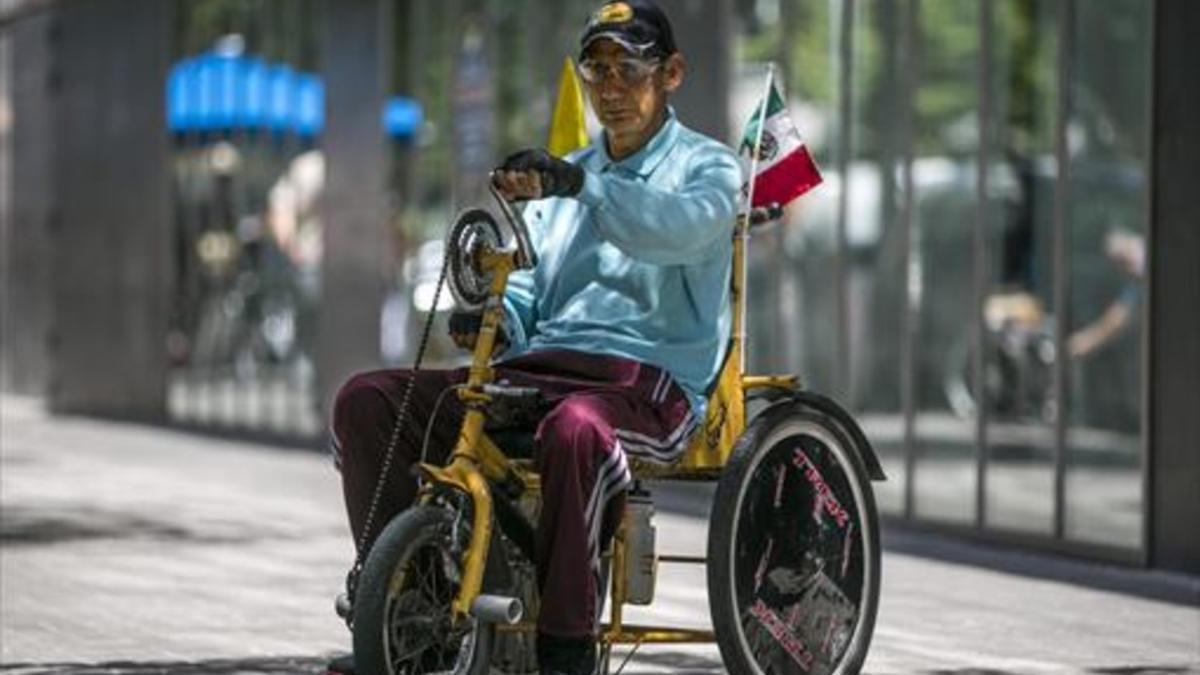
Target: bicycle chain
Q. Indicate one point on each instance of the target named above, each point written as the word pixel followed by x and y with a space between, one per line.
pixel 388 456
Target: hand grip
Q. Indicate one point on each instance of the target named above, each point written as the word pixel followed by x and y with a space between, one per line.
pixel 766 214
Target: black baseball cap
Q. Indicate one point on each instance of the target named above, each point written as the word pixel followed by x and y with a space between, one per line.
pixel 637 25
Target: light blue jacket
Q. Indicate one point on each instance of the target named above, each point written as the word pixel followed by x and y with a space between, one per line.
pixel 636 265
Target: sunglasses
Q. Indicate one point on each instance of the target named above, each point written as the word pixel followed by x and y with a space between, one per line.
pixel 629 70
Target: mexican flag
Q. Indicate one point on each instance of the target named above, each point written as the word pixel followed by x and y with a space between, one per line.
pixel 785 169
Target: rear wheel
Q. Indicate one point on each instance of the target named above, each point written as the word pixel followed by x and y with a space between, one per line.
pixel 402 610
pixel 793 549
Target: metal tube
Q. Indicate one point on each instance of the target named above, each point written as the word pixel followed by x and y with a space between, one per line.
pixel 617 572
pixel 497 609
pixel 1145 311
pixel 743 221
pixel 982 267
pixel 846 127
pixel 907 327
pixel 632 634
pixel 477 550
pixel 1062 296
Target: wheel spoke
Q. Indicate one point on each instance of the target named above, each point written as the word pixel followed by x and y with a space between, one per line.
pixel 415 622
pixel 429 584
pixel 420 641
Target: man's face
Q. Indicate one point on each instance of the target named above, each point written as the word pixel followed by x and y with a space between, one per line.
pixel 628 100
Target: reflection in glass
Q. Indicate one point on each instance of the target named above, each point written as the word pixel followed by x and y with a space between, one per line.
pixel 929 269
pixel 794 308
pixel 1019 313
pixel 1103 488
pixel 875 259
pixel 246 241
pixel 947 133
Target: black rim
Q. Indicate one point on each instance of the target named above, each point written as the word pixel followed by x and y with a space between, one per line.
pixel 418 632
pixel 798 567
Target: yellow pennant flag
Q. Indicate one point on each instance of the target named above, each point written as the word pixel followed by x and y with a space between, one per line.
pixel 568 130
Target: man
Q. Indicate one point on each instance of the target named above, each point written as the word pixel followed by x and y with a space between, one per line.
pixel 621 325
pixel 1127 252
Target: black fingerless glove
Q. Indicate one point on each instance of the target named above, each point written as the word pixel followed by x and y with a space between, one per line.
pixel 560 178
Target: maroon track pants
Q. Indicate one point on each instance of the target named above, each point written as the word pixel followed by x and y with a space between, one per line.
pixel 602 410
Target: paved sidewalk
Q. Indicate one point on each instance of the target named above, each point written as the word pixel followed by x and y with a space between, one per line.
pixel 132 549
pixel 124 542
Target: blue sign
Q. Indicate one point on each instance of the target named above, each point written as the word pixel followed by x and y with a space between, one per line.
pixel 224 93
pixel 281 87
pixel 180 103
pixel 310 105
pixel 204 117
pixel 226 104
pixel 252 113
pixel 402 117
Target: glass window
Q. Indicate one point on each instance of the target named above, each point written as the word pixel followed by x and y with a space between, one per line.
pixel 247 232
pixel 1019 312
pixel 792 297
pixel 875 260
pixel 1109 153
pixel 922 276
pixel 940 285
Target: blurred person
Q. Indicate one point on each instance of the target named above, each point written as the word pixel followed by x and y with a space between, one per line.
pixel 292 217
pixel 1127 252
pixel 293 222
pixel 621 325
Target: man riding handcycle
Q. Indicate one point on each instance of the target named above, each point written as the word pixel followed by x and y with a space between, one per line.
pixel 611 318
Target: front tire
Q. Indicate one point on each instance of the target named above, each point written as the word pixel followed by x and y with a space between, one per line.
pixel 402 609
pixel 793 549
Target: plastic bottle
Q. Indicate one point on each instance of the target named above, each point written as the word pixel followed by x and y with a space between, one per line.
pixel 641 562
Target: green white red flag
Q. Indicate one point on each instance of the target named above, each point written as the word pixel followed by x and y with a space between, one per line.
pixel 785 168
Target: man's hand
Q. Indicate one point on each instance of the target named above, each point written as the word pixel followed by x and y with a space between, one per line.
pixel 535 173
pixel 464 330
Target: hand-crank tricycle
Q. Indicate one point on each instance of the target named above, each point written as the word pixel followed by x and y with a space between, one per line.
pixel 793 547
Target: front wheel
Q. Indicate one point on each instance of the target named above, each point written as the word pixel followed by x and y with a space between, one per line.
pixel 402 610
pixel 793 549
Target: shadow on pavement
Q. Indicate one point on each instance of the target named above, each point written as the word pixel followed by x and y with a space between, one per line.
pixel 681 663
pixel 1178 589
pixel 1143 669
pixel 29 526
pixel 1116 670
pixel 258 666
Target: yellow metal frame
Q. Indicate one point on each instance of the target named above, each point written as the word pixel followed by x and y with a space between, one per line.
pixel 475 458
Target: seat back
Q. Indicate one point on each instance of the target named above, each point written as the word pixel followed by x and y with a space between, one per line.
pixel 724 419
pixel 713 440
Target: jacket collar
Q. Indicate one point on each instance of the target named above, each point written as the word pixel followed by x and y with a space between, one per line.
pixel 649 156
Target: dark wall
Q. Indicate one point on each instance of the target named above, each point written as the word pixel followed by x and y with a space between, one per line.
pixel 110 215
pixel 24 239
pixel 1175 292
pixel 703 31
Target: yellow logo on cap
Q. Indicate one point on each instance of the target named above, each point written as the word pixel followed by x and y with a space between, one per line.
pixel 616 12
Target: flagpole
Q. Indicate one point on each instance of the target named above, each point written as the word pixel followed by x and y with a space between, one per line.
pixel 744 219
